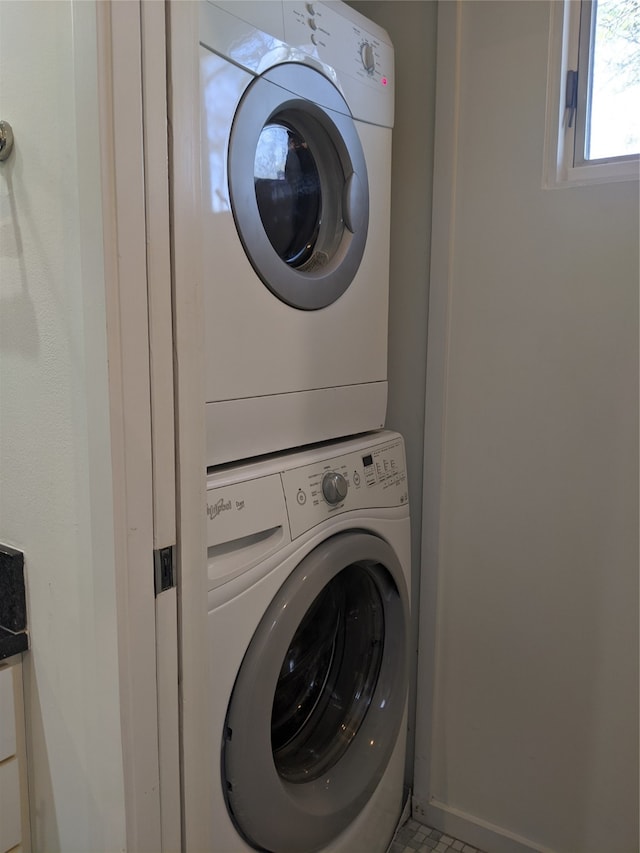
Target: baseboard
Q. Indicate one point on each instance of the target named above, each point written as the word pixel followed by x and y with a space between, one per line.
pixel 472 830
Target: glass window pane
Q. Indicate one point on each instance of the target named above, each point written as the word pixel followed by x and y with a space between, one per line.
pixel 288 192
pixel 614 121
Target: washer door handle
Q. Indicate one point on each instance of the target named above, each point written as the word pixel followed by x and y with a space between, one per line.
pixel 354 203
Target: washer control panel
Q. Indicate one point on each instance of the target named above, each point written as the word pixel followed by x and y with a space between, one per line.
pixel 375 477
pixel 334 487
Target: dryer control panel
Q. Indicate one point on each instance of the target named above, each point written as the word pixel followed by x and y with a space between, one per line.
pixel 347 48
pixel 375 477
pixel 354 47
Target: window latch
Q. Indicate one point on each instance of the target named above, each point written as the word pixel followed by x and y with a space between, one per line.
pixel 571 98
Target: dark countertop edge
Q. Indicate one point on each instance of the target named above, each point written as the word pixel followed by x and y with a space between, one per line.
pixel 12 643
pixel 13 603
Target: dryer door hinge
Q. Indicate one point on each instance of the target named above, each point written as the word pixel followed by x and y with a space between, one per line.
pixel 164 568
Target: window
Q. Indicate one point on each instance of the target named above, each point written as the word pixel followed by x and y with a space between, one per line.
pixel 593 103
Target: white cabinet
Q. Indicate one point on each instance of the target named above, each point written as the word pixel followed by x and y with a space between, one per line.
pixel 14 811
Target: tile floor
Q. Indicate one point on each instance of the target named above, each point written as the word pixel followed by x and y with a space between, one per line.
pixel 414 837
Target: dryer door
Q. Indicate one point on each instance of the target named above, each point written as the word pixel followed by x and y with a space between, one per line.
pixel 319 699
pixel 298 185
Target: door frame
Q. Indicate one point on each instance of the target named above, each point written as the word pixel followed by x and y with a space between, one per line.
pixel 183 84
pixel 131 59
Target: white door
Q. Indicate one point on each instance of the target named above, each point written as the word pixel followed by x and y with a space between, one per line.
pixel 87 416
pixel 137 237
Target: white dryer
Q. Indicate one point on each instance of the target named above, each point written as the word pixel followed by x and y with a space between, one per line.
pixel 297 110
pixel 308 565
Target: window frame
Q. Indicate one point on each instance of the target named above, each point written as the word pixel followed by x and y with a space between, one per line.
pixel 567 51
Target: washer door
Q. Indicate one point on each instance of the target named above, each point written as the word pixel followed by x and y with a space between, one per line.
pixel 319 699
pixel 298 185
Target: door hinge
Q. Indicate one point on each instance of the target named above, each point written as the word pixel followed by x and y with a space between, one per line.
pixel 164 568
pixel 571 96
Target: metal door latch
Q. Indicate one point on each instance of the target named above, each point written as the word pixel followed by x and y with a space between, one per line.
pixel 164 568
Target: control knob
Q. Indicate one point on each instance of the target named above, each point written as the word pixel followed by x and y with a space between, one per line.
pixel 334 487
pixel 368 57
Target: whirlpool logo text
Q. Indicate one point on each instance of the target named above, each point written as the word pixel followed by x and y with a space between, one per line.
pixel 214 510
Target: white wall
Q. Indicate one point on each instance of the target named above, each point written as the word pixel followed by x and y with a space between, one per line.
pixel 55 463
pixel 530 724
pixel 412 28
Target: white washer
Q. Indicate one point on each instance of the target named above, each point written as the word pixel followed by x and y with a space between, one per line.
pixel 297 110
pixel 308 563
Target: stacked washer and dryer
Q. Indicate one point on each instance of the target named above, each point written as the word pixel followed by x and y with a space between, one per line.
pixel 307 499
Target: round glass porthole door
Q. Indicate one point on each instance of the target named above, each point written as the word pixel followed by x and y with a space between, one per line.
pixel 319 699
pixel 328 677
pixel 298 186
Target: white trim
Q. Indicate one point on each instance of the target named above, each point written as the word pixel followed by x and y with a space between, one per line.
pixel 442 260
pixel 168 720
pixel 184 113
pixel 156 157
pixel 122 168
pixel 555 143
pixel 558 168
pixel 475 831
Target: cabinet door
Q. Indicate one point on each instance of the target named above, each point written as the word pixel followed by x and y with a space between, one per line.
pixel 10 815
pixel 7 715
pixel 10 810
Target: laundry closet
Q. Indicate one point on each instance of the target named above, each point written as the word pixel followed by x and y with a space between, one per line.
pixel 518 412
